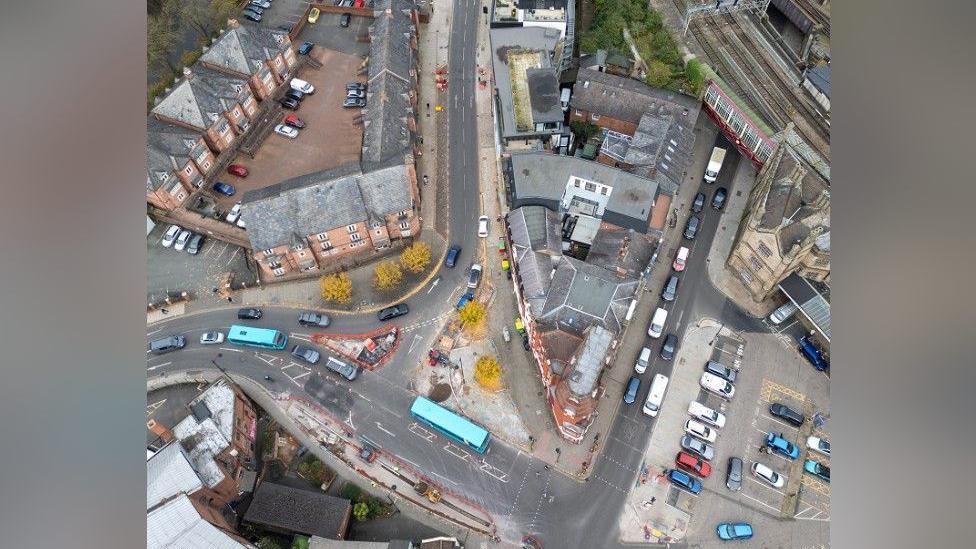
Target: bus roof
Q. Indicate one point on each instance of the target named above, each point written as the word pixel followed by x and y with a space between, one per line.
pixel 250 332
pixel 449 421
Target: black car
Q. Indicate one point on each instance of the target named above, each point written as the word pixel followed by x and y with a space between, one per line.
pixel 354 102
pixel 699 203
pixel 251 16
pixel 670 347
pixel 344 20
pixel 249 313
pixel 733 478
pixel 305 353
pixel 289 103
pixel 195 243
pixel 295 94
pixel 691 229
pixel 718 199
pixel 305 48
pixel 393 312
pixel 525 342
pixel 356 86
pixel 314 320
pixel 787 414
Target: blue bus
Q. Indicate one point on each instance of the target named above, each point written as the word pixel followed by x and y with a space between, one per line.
pixel 451 425
pixel 257 337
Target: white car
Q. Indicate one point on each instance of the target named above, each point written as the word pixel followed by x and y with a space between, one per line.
pixel 699 430
pixel 287 131
pixel 182 240
pixel 171 233
pixel 699 411
pixel 234 213
pixel 818 444
pixel 211 338
pixel 483 226
pixel 774 479
pixel 300 85
pixel 714 384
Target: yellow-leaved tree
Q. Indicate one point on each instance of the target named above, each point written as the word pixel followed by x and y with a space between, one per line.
pixel 387 275
pixel 416 257
pixel 336 287
pixel 488 373
pixel 473 314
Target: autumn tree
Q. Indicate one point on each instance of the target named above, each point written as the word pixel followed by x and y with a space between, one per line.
pixel 488 373
pixel 336 287
pixel 387 275
pixel 416 257
pixel 473 314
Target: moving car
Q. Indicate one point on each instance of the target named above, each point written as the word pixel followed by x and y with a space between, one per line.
pixel 450 260
pixel 234 213
pixel 195 243
pixel 483 226
pixel 681 259
pixel 344 20
pixel 182 240
pixel 718 199
pixel 782 313
pixel 393 312
pixel 474 277
pixel 718 386
pixel 355 93
pixel 287 131
pixel 630 395
pixel 248 14
pixel 356 86
pixel 313 15
pixel 305 353
pixel 314 320
pixel 733 475
pixel 818 444
pixel 669 347
pixel 731 531
pixel 293 121
pixel 298 84
pixel 238 170
pixel 166 344
pixel 305 48
pixel 699 430
pixel 224 188
pixel 211 338
pixel 818 470
pixel 691 229
pixel 703 413
pixel 685 481
pixel 780 445
pixel 693 464
pixel 697 447
pixel 250 313
pixel 721 370
pixel 699 204
pixel 289 103
pixel 787 414
pixel 170 236
pixel 354 102
pixel 772 477
pixel 670 292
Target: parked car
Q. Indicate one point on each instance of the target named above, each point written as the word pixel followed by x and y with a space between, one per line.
pixel 669 347
pixel 250 15
pixel 717 385
pixel 303 86
pixel 787 414
pixel 452 255
pixel 670 292
pixel 813 354
pixel 816 469
pixel 170 235
pixel 355 93
pixel 182 240
pixel 289 103
pixel 703 413
pixel 698 429
pixel 693 464
pixel 367 453
pixel 733 475
pixel 314 320
pixel 255 9
pixel 234 213
pixel 166 344
pixel 286 131
pixel 691 229
pixel 293 121
pixel 721 370
pixel 224 188
pixel 238 170
pixel 195 243
pixel 211 338
pixel 483 226
pixel 305 353
pixel 697 447
pixel 630 395
pixel 772 477
pixel 354 102
pixel 344 369
pixel 355 86
pixel 393 312
pixel 313 15
pixel 684 481
pixel 718 199
pixel 681 259
pixel 782 313
pixel 305 48
pixel 344 20
pixel 250 313
pixel 780 445
pixel 731 531
pixel 699 204
pixel 464 299
pixel 297 95
pixel 474 277
pixel 818 444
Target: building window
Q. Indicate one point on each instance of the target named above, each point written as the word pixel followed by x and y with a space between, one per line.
pixel 404 225
pixel 764 250
pixel 756 265
pixel 578 113
pixel 604 190
pixel 745 275
pixel 351 228
pixel 355 237
pixel 594 116
pixel 279 272
pixel 403 213
pixel 181 196
pixel 322 237
pixel 207 164
pixel 590 187
pixel 673 142
pixel 188 169
pixel 821 261
pixel 301 254
pixel 576 183
pixel 326 246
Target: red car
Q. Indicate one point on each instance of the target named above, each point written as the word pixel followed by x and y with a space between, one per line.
pixel 294 121
pixel 693 464
pixel 238 170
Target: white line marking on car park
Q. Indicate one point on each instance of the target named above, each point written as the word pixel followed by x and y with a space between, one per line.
pixel 154 332
pixel 763 503
pixel 456 452
pixel 768 487
pixel 229 349
pixel 159 366
pixel 380 427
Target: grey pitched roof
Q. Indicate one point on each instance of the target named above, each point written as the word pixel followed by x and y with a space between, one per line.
pixel 535 228
pixel 544 95
pixel 590 360
pixel 301 511
pixel 819 76
pixel 244 48
pixel 386 191
pixel 664 141
pixel 222 85
pixel 597 59
pixel 504 40
pixel 622 251
pixel 168 148
pixel 168 473
pixel 623 98
pixel 198 102
pixel 798 196
pixel 582 295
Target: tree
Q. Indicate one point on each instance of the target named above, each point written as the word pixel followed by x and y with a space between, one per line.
pixel 583 131
pixel 488 373
pixel 416 257
pixel 658 74
pixel 336 287
pixel 268 543
pixel 473 314
pixel 360 511
pixel 206 17
pixel 161 38
pixel 314 470
pixel 387 275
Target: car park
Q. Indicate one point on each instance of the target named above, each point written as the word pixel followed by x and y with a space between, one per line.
pixel 195 243
pixel 182 240
pixel 703 413
pixel 211 338
pixel 642 361
pixel 718 199
pixel 252 16
pixel 170 236
pixel 773 478
pixel 787 414
pixel 670 292
pixel 699 430
pixel 669 347
pixel 483 226
pixel 393 312
pixel 733 474
pixel 286 131
pixel 718 386
pixel 816 469
pixel 693 464
pixel 721 370
pixel 697 447
pixel 344 369
pixel 450 260
pixel 474 277
pixel 305 353
pixel 777 443
pixel 681 259
pixel 224 188
pixel 302 86
pixel 354 102
pixel 344 20
pixel 289 103
pixel 699 203
pixel 293 121
pixel 691 229
pixel 782 313
pixel 294 94
pixel 305 48
pixel 250 313
pixel 684 481
pixel 355 93
pixel 818 444
pixel 313 15
pixel 314 320
pixel 166 344
pixel 731 531
pixel 630 395
pixel 356 86
pixel 234 214
pixel 238 170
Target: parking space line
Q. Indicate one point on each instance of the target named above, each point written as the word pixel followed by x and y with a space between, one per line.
pixel 784 424
pixel 768 487
pixel 814 484
pixel 760 502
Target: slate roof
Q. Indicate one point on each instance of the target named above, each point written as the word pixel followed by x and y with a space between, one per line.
pixel 622 251
pixel 199 102
pixel 178 525
pixel 597 59
pixel 560 347
pixel 590 360
pixel 245 48
pixel 623 98
pixel 535 228
pixel 168 473
pixel 168 148
pixel 664 141
pixel 582 295
pixel 819 76
pixel 544 95
pixel 300 511
pixel 505 39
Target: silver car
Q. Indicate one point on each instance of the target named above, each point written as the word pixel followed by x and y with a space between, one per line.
pixel 211 338
pixel 697 447
pixel 305 353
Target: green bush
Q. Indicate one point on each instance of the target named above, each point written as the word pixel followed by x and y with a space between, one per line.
pixel 351 492
pixel 695 72
pixel 360 511
pixel 376 506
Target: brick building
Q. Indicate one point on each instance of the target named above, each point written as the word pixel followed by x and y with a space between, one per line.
pixel 263 57
pixel 177 163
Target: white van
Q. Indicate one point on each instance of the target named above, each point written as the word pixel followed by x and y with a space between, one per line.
pixel 302 86
pixel 718 386
pixel 656 395
pixel 642 361
pixel 564 99
pixel 782 313
pixel 657 323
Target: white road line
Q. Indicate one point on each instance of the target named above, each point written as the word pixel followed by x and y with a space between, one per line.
pixel 410 462
pixel 158 366
pixel 380 427
pixel 816 519
pixel 768 487
pixel 229 349
pixel 154 332
pixel 763 503
pixel 416 340
pixel 299 376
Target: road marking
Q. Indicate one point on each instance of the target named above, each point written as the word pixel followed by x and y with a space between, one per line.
pixel 380 427
pixel 230 349
pixel 767 486
pixel 423 433
pixel 416 339
pixel 764 504
pixel 154 332
pixel 150 409
pixel 158 366
pixel 450 449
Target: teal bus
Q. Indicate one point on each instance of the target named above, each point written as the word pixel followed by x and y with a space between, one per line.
pixel 257 337
pixel 451 425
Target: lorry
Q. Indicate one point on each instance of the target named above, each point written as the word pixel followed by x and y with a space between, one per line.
pixel 714 164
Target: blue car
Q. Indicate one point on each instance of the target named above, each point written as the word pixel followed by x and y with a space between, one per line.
pixel 817 469
pixel 631 394
pixel 685 481
pixel 468 296
pixel 224 188
pixel 305 48
pixel 813 354
pixel 782 446
pixel 730 531
pixel 452 255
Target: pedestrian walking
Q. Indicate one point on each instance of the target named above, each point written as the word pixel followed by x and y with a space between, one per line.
pixel 653 499
pixel 230 299
pixel 165 311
